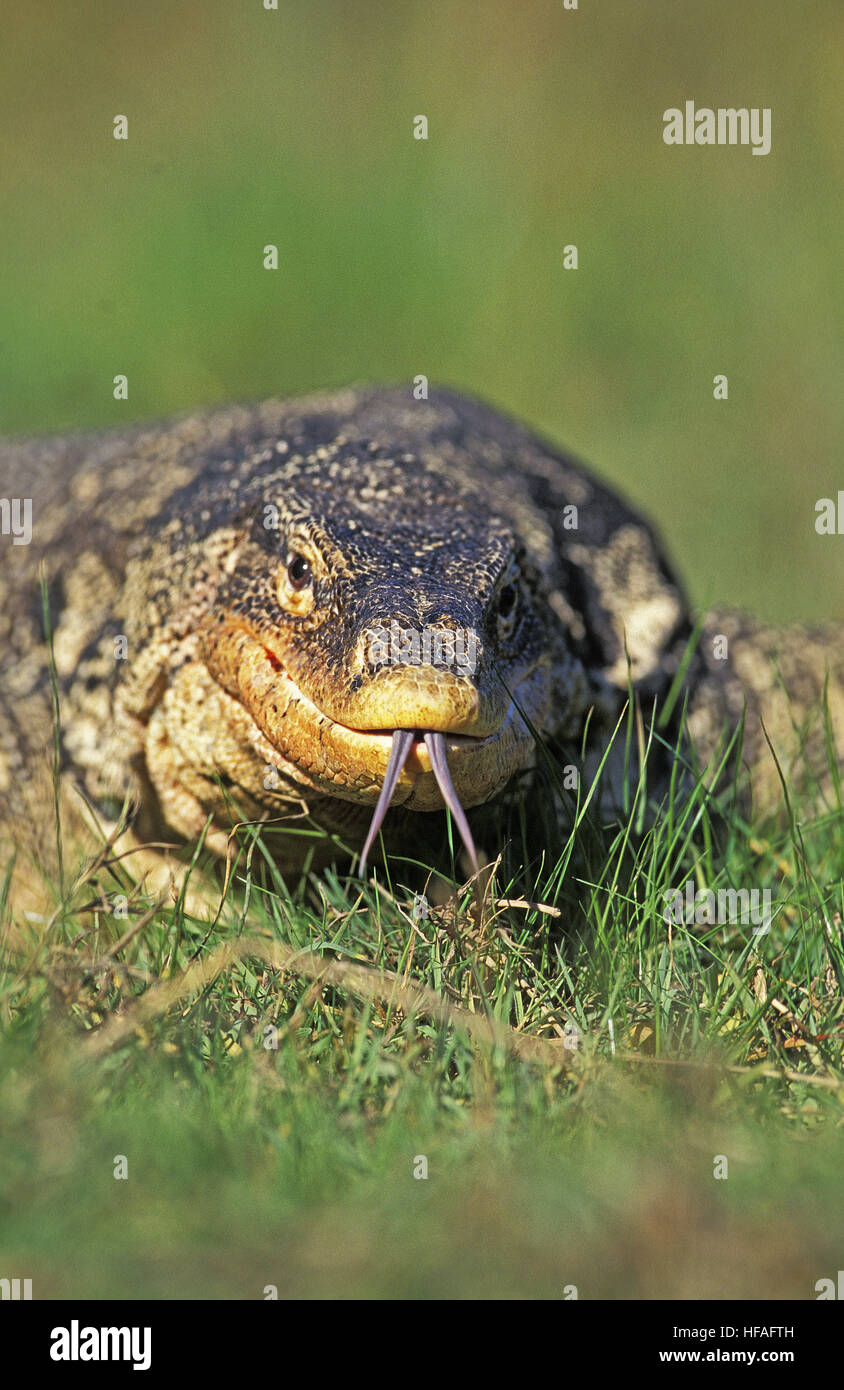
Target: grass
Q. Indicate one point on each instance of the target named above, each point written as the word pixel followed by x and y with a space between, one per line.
pixel 569 1066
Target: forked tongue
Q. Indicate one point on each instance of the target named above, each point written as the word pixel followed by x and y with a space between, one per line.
pixel 402 740
pixel 435 744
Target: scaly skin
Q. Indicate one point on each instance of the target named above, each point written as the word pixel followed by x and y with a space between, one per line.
pixel 436 514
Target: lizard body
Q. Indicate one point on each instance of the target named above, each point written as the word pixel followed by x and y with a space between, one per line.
pixel 222 588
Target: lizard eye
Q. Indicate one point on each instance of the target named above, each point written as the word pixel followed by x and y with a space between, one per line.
pixel 295 585
pixel 299 574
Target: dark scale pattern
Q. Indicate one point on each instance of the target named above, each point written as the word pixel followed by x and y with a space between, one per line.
pixel 422 514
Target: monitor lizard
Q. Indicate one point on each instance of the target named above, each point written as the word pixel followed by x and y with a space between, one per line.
pixel 240 601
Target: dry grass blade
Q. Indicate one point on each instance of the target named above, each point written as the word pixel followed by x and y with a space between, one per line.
pixel 380 986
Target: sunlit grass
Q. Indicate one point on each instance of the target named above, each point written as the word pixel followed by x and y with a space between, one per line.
pixel 582 1065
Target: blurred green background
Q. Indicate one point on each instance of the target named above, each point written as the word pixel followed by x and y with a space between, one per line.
pixel 399 256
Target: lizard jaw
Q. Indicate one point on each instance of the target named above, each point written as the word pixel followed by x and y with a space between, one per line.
pixel 352 763
pixel 421 769
pixel 317 752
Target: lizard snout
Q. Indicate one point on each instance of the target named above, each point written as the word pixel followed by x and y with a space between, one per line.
pixel 423 698
pixel 423 678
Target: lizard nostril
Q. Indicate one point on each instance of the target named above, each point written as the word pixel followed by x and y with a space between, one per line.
pixel 507 600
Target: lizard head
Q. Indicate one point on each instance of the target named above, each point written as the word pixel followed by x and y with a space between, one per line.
pixel 381 629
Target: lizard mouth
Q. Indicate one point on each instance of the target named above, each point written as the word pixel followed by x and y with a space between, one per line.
pixel 408 767
pixel 418 768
